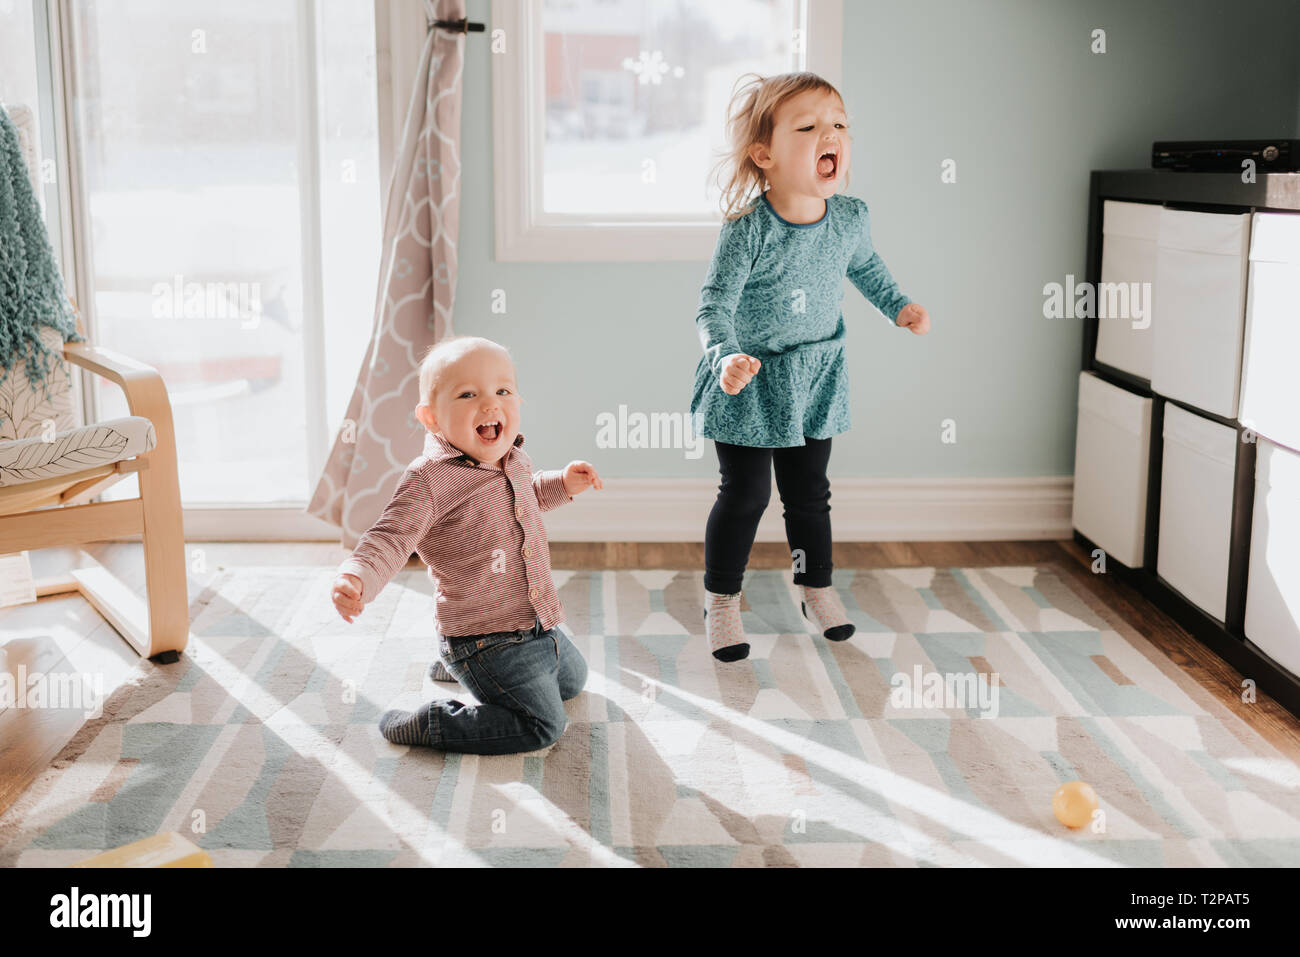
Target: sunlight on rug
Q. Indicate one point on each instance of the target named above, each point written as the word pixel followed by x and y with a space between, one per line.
pixel 936 736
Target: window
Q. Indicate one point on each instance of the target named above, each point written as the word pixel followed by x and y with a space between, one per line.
pixel 18 79
pixel 26 80
pixel 229 171
pixel 609 117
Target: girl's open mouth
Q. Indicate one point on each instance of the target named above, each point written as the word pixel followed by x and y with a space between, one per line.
pixel 828 165
pixel 489 431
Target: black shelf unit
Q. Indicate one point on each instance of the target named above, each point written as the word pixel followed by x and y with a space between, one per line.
pixel 1207 192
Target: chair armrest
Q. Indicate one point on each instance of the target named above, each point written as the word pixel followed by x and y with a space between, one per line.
pixel 146 394
pixel 159 519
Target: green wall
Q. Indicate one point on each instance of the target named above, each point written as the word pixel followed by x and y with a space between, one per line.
pixel 1011 91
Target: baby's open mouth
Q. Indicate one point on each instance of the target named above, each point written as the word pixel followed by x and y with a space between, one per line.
pixel 828 164
pixel 489 431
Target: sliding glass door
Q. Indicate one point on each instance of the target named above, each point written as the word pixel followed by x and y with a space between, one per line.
pixel 230 215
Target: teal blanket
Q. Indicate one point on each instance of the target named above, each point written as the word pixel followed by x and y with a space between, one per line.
pixel 31 289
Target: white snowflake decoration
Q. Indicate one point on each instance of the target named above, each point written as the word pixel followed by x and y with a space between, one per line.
pixel 651 68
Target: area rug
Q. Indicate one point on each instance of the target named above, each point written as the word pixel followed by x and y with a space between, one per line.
pixel 936 736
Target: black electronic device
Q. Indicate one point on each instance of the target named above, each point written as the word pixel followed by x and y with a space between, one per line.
pixel 1224 156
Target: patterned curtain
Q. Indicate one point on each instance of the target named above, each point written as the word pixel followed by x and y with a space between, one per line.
pixel 417 286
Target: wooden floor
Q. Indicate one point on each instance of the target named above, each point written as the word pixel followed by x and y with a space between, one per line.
pixel 64 634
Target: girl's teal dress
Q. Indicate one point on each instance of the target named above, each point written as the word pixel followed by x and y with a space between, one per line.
pixel 774 291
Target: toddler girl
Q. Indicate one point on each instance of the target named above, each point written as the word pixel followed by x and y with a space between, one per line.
pixel 771 388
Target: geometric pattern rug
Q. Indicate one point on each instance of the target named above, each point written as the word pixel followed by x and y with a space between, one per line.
pixel 935 736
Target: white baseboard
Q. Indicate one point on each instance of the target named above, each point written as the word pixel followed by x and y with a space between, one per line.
pixel 265 524
pixel 676 510
pixel 862 510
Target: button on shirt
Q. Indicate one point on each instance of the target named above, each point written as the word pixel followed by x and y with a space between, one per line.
pixel 480 531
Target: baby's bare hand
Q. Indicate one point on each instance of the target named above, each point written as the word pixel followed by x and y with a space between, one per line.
pixel 737 370
pixel 347 596
pixel 580 476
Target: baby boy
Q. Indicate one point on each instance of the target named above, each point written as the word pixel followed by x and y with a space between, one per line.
pixel 470 506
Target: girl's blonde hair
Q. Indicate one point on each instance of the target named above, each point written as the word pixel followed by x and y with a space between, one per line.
pixel 750 115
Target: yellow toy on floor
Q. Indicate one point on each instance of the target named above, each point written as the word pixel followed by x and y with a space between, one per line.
pixel 1073 803
pixel 161 850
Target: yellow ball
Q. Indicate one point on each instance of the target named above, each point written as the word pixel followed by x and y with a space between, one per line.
pixel 1073 803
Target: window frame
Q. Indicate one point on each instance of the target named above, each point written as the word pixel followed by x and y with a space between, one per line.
pixel 524 233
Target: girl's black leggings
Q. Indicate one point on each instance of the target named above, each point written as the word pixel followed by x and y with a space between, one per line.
pixel 742 497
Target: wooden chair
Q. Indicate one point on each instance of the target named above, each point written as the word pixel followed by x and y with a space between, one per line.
pixel 50 466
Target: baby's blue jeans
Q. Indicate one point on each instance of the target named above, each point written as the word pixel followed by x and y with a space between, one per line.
pixel 521 679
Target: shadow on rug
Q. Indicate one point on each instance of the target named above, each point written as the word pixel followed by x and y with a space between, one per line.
pixel 935 736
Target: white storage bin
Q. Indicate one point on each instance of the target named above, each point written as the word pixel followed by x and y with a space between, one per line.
pixel 1111 452
pixel 1130 235
pixel 1201 291
pixel 1196 508
pixel 1270 390
pixel 1273 582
